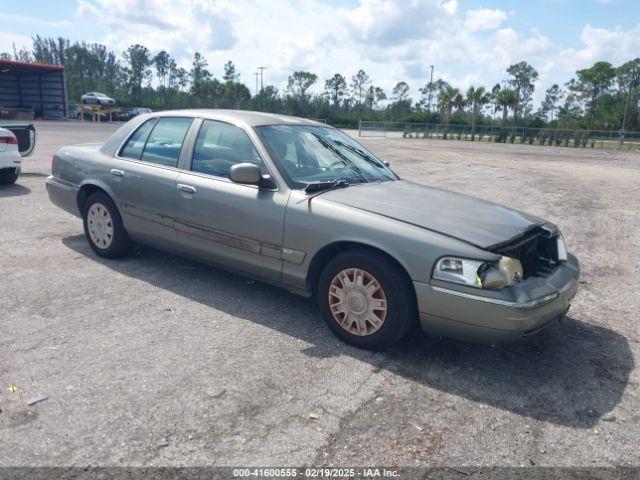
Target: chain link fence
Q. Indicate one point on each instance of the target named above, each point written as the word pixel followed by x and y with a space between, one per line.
pixel 609 139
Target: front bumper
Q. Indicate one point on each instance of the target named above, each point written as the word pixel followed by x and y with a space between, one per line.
pixel 470 314
pixel 63 194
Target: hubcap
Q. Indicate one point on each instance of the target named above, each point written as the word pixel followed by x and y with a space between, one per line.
pixel 100 225
pixel 357 301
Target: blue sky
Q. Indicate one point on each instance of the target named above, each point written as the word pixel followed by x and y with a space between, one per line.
pixel 468 41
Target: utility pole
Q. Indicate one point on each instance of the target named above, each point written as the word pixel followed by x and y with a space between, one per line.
pixel 256 74
pixel 430 87
pixel 262 69
pixel 626 104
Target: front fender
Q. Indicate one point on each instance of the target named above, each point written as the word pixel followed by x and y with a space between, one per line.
pixel 311 225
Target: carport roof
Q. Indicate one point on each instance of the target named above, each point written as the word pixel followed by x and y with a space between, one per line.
pixel 16 68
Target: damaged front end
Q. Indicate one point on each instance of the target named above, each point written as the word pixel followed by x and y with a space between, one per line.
pixel 539 251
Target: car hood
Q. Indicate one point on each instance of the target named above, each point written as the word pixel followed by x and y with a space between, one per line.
pixel 478 222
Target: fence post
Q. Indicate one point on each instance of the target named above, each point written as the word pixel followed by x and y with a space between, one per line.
pixel 359 127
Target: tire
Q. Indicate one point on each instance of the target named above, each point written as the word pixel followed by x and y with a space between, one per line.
pixel 84 101
pixel 104 231
pixel 395 299
pixel 9 176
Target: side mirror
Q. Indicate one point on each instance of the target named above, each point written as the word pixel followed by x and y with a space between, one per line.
pixel 245 173
pixel 386 164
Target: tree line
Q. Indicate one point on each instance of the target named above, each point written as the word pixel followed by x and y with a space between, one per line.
pixel 602 97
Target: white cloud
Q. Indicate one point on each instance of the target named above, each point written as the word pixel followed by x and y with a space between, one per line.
pixel 8 40
pixel 615 46
pixel 484 19
pixel 174 25
pixel 388 23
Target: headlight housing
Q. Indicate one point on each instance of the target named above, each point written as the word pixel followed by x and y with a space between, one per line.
pixel 459 270
pixel 479 274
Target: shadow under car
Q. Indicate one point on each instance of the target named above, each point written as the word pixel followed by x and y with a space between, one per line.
pixel 572 374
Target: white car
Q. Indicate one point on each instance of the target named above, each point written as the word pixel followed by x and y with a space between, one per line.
pixel 10 159
pixel 97 98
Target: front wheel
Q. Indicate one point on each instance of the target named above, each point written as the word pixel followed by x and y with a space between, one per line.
pixel 366 299
pixel 9 176
pixel 103 227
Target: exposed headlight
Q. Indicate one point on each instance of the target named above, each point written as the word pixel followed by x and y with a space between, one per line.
pixel 562 248
pixel 508 272
pixel 479 274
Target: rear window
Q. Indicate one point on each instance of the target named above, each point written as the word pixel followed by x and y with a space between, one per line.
pixel 135 145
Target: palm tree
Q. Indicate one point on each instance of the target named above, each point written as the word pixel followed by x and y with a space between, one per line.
pixel 459 101
pixel 449 97
pixel 476 98
pixel 506 99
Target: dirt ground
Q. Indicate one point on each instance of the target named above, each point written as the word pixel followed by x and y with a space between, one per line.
pixel 155 360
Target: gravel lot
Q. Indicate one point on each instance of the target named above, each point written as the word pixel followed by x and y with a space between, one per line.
pixel 155 360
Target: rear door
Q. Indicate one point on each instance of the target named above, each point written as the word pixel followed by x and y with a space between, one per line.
pixel 144 176
pixel 236 225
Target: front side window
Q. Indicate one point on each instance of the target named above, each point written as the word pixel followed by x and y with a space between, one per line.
pixel 219 146
pixel 309 154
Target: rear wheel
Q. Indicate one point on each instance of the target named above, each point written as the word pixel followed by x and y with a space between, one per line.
pixel 366 299
pixel 103 227
pixel 9 176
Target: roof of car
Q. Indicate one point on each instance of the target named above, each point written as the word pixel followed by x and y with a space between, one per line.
pixel 250 118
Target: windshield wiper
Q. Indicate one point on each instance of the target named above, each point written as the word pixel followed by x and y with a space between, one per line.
pixel 353 166
pixel 327 185
pixel 316 188
pixel 367 158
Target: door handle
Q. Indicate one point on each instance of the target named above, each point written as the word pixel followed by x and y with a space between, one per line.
pixel 117 173
pixel 186 188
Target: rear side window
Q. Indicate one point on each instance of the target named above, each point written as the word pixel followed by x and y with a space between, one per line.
pixel 219 146
pixel 165 142
pixel 158 141
pixel 135 145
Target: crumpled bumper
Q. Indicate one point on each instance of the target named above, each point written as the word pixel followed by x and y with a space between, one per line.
pixel 491 317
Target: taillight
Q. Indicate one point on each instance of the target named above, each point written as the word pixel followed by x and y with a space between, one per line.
pixel 53 163
pixel 11 140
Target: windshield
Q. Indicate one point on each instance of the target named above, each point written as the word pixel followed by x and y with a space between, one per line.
pixel 309 154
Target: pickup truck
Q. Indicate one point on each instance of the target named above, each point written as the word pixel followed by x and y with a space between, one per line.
pixel 17 140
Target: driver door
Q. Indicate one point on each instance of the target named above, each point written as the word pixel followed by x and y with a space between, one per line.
pixel 236 225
